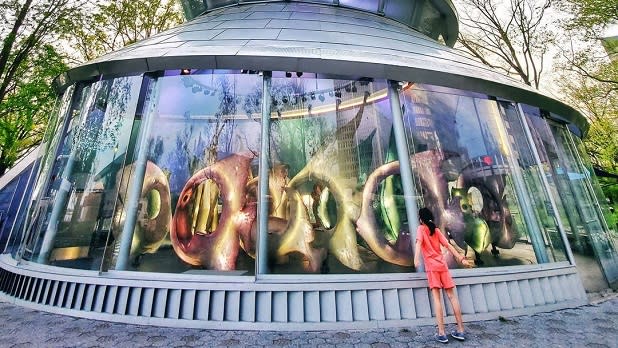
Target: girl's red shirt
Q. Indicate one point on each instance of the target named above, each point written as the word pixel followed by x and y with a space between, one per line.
pixel 431 248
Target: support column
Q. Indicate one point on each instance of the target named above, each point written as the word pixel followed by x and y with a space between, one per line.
pixel 136 182
pixel 262 216
pixel 59 205
pixel 405 167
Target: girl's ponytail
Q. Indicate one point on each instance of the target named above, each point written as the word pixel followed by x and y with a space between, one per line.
pixel 427 218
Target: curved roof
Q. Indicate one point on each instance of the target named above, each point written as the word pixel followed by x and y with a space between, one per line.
pixel 314 38
pixel 434 18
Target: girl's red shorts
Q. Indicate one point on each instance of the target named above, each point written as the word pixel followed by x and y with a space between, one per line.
pixel 440 279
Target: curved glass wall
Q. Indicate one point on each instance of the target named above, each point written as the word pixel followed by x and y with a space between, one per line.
pixel 49 146
pixel 463 159
pixel 161 173
pixel 74 224
pixel 329 138
pixel 571 185
pixel 543 205
pixel 197 202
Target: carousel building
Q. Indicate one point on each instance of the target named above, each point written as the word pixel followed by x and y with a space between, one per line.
pixel 261 167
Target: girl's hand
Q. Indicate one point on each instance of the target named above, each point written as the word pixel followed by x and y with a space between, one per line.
pixel 466 263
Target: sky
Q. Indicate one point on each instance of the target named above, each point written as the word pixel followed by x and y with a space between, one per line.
pixel 551 72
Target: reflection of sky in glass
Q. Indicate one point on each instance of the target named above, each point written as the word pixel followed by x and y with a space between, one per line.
pixel 468 129
pixel 200 95
pixel 495 136
pixel 186 122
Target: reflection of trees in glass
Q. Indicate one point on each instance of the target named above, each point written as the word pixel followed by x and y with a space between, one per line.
pixel 192 8
pixel 296 140
pixel 155 149
pixel 178 161
pixel 221 129
pixel 221 133
pixel 201 142
pixel 252 103
pixel 101 127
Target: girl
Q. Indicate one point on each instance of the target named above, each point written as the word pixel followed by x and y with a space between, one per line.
pixel 429 240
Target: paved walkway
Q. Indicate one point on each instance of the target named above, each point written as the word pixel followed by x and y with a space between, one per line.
pixel 594 325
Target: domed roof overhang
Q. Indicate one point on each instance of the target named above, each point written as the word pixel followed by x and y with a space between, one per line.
pixel 314 38
pixel 434 18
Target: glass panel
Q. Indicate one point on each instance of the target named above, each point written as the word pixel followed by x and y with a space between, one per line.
pixel 199 182
pixel 42 195
pixel 604 203
pixel 192 8
pixel 40 169
pixel 14 198
pixel 336 202
pixel 597 234
pixel 569 183
pixel 78 229
pixel 463 171
pixel 533 178
pixel 371 5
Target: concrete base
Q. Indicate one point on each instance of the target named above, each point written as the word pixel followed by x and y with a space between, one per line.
pixel 285 302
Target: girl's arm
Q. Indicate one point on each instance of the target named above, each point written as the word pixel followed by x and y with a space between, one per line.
pixel 417 254
pixel 460 258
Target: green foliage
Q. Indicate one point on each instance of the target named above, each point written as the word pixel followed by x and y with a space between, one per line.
pixel 27 109
pixel 29 62
pixel 593 87
pixel 599 102
pixel 112 25
pixel 192 8
pixel 609 186
pixel 27 66
pixel 593 14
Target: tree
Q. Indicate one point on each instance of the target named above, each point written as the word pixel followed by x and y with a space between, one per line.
pixel 591 15
pixel 596 83
pixel 593 87
pixel 511 36
pixel 26 110
pixel 109 26
pixel 589 20
pixel 27 66
pixel 599 102
pixel 29 62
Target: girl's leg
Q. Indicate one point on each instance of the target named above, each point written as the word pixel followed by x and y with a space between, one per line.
pixel 456 308
pixel 437 306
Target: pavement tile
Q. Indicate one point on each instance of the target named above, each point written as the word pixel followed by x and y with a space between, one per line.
pixel 591 326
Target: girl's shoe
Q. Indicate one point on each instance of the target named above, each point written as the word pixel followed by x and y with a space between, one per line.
pixel 442 338
pixel 458 335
